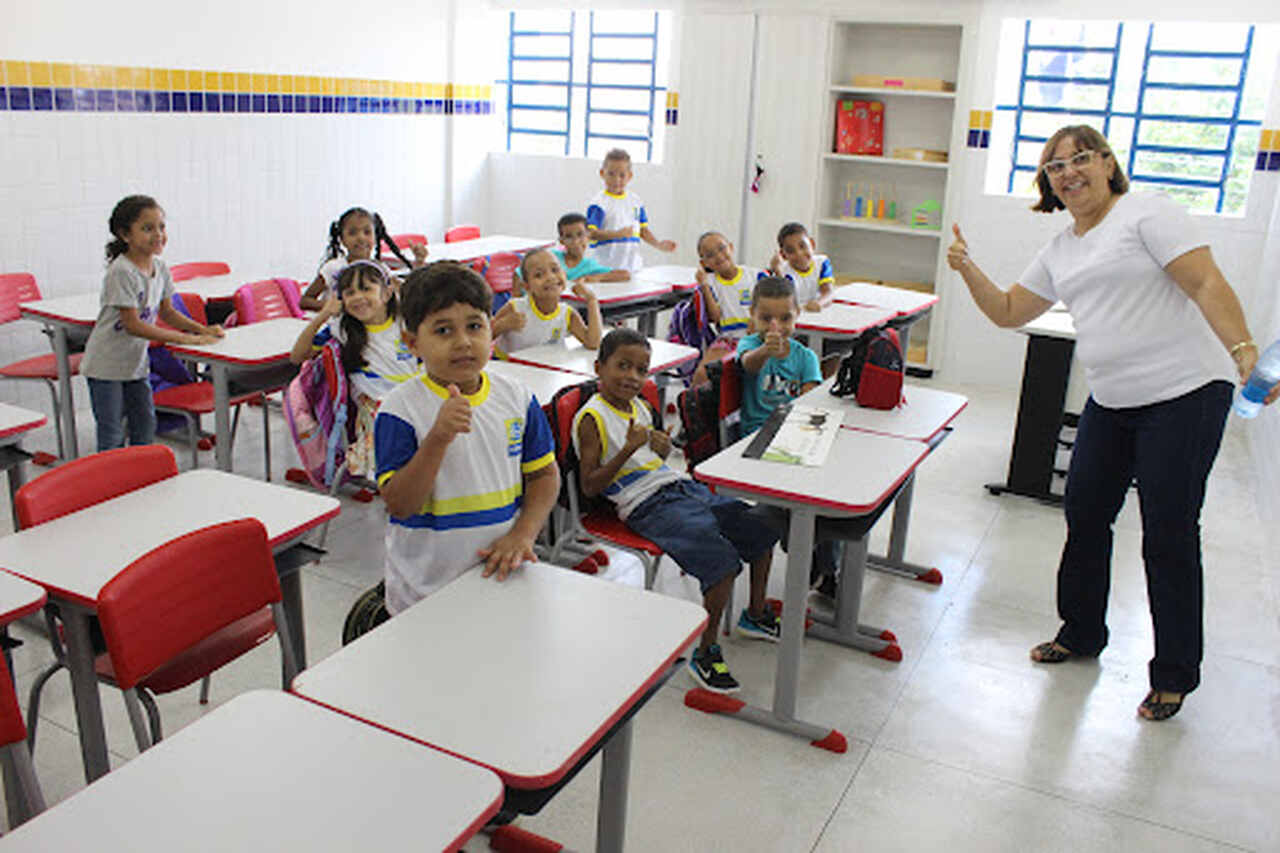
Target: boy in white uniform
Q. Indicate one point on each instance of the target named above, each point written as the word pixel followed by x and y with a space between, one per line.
pixel 466 461
pixel 539 317
pixel 616 219
pixel 809 272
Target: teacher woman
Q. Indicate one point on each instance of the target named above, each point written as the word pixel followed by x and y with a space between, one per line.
pixel 1158 329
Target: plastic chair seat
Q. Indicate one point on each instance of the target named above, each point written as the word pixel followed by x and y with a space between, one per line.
pixel 195 397
pixel 39 367
pixel 607 525
pixel 206 656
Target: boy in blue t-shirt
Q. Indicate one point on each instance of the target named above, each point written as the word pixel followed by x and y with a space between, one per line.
pixel 578 265
pixel 778 370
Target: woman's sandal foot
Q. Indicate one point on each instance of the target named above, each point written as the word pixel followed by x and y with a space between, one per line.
pixel 1051 652
pixel 1159 706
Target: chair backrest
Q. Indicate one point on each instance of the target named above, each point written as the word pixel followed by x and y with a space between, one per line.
pixel 16 287
pixel 266 299
pixel 499 271
pixel 174 596
pixel 91 480
pixel 729 407
pixel 190 304
pixel 199 269
pixel 461 232
pixel 12 727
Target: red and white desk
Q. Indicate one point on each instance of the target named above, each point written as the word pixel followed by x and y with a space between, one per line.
pixel 483 247
pixel 59 316
pixel 15 423
pixel 74 556
pixel 555 663
pixel 840 322
pixel 908 306
pixel 268 771
pixel 622 299
pixel 543 382
pixel 575 358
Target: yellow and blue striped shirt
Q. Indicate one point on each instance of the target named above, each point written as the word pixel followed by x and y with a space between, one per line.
pixel 642 474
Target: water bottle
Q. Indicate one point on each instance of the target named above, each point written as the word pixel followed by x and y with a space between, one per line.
pixel 1266 373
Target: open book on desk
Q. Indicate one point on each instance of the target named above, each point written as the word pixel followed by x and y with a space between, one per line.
pixel 796 435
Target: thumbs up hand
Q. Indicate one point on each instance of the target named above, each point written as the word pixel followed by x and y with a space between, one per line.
pixel 958 251
pixel 454 417
pixel 637 435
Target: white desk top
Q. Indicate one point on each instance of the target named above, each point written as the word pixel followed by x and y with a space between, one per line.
pixel 522 676
pixel 614 292
pixel 544 382
pixel 924 412
pixel 18 597
pixel 862 469
pixel 268 771
pixel 76 555
pixel 219 286
pixel 79 310
pixel 466 250
pixel 15 420
pixel 574 357
pixel 897 299
pixel 677 277
pixel 1054 323
pixel 842 319
pixel 256 343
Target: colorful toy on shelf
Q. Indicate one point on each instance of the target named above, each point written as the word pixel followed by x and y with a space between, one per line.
pixel 868 201
pixel 927 215
pixel 859 127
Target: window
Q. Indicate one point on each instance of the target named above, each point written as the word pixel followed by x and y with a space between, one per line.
pixel 580 83
pixel 1181 104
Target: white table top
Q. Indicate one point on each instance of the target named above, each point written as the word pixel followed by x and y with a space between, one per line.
pixel 574 357
pixel 15 420
pixel 1052 324
pixel 219 286
pixel 924 412
pixel 613 292
pixel 862 469
pixel 466 250
pixel 674 275
pixel 839 318
pixel 18 597
pixel 79 310
pixel 76 555
pixel 269 771
pixel 522 676
pixel 256 343
pixel 897 299
pixel 544 382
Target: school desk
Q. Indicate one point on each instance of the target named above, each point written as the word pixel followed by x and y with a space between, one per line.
pixel 839 322
pixel 861 471
pixel 257 345
pixel 528 677
pixel 268 771
pixel 15 423
pixel 622 299
pixel 544 382
pixel 910 305
pixel 74 556
pixel 680 279
pixel 59 316
pixel 17 599
pixel 483 247
pixel 575 358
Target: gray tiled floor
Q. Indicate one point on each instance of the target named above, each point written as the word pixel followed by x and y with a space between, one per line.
pixel 964 745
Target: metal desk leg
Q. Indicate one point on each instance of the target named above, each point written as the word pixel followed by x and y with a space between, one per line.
pixel 845 628
pixel 84 689
pixel 222 416
pixel 17 476
pixel 647 323
pixel 615 768
pixel 894 562
pixel 62 354
pixel 291 598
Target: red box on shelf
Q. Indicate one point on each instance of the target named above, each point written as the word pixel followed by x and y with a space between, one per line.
pixel 859 127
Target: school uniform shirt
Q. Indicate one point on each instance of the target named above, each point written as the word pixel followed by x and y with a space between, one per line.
pixel 586 266
pixel 609 212
pixel 1139 336
pixel 779 381
pixel 734 298
pixel 388 359
pixel 644 472
pixel 808 283
pixel 538 328
pixel 113 353
pixel 478 491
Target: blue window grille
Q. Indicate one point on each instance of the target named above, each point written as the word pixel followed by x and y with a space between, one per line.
pixel 1079 83
pixel 587 87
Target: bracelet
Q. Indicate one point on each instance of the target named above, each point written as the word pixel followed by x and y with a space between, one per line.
pixel 1246 343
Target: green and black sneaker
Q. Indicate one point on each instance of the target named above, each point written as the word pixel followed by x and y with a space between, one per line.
pixel 710 671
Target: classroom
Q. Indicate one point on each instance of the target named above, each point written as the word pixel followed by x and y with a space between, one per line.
pixel 897 149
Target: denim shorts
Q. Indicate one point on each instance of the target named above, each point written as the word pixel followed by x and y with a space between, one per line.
pixel 708 536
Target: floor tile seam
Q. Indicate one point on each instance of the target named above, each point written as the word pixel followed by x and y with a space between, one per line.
pixel 907 680
pixel 843 794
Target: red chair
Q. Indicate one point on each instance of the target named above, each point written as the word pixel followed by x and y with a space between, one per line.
pixel 199 269
pixel 266 299
pixel 28 800
pixel 21 287
pixel 461 232
pixel 499 272
pixel 186 609
pixel 404 241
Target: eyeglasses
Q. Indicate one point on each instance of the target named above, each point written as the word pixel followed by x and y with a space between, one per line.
pixel 1079 160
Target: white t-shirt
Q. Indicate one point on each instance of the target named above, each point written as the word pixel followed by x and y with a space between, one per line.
pixel 734 298
pixel 644 472
pixel 388 359
pixel 113 353
pixel 609 212
pixel 538 328
pixel 809 282
pixel 1139 336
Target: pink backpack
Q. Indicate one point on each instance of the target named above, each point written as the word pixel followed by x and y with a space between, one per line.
pixel 315 406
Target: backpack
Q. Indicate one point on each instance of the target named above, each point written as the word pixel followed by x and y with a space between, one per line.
pixel 873 371
pixel 690 326
pixel 699 409
pixel 369 611
pixel 315 406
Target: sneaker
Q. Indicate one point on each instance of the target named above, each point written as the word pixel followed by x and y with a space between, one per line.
pixel 710 671
pixel 765 627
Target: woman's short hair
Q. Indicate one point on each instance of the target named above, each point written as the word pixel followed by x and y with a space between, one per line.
pixel 1085 138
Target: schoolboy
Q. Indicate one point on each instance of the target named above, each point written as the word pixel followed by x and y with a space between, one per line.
pixel 779 369
pixel 623 457
pixel 578 264
pixel 726 292
pixel 616 219
pixel 539 317
pixel 798 260
pixel 466 462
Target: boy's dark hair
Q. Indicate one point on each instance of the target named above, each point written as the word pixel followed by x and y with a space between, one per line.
pixel 620 337
pixel 437 286
pixel 569 219
pixel 617 154
pixel 791 228
pixel 773 287
pixel 524 262
pixel 1086 138
pixel 380 235
pixel 123 215
pixel 697 246
pixel 355 337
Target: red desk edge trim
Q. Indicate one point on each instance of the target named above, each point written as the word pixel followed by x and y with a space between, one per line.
pixel 21 428
pixel 19 612
pixel 57 318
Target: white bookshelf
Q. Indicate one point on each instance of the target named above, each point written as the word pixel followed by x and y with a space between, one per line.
pixel 889 250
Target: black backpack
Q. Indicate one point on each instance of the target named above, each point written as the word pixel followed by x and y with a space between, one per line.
pixel 699 408
pixel 873 371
